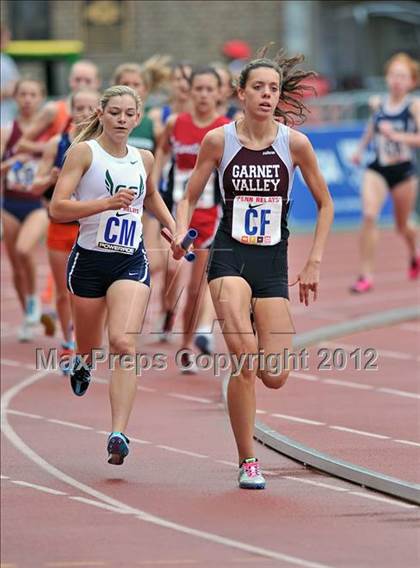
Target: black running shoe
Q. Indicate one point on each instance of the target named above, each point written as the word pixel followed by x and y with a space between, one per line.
pixel 80 377
pixel 117 448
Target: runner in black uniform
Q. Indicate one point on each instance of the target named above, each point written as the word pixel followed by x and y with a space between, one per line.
pixel 256 158
pixel 395 132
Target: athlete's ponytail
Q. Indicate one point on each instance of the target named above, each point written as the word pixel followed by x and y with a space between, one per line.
pixel 92 128
pixel 156 71
pixel 292 87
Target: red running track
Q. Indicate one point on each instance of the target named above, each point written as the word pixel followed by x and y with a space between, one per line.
pixel 175 501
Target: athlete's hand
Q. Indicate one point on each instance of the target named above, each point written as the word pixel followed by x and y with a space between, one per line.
pixel 54 173
pixel 309 282
pixel 386 129
pixel 178 251
pixel 356 159
pixel 123 198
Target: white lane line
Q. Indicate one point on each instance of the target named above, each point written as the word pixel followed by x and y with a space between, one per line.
pixel 382 352
pixel 408 442
pixel 349 384
pixel 410 327
pixel 360 432
pixel 383 500
pixel 139 441
pixel 298 419
pixel 70 424
pixel 304 376
pixel 316 483
pixel 38 487
pixel 100 505
pixel 178 451
pixel 4 476
pixel 145 389
pixel 258 411
pixel 191 398
pixel 16 441
pixel 12 363
pixel 26 414
pixel 224 462
pixel 399 392
pixel 360 386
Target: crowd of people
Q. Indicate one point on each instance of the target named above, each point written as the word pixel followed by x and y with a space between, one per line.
pixel 96 176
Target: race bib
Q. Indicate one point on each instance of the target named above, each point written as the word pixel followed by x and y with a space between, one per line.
pixel 21 178
pixel 119 231
pixel 391 152
pixel 257 220
pixel 181 179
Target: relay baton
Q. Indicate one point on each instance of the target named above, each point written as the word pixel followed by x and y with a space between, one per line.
pixel 191 235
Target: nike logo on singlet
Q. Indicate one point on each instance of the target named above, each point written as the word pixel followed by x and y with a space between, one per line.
pixel 135 162
pixel 254 206
pixel 118 214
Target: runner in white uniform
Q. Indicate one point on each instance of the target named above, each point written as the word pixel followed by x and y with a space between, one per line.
pixel 108 271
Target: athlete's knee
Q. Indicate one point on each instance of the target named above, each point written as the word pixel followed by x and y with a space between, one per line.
pixel 62 296
pixel 402 228
pixel 369 219
pixel 246 375
pixel 273 380
pixel 23 252
pixel 122 344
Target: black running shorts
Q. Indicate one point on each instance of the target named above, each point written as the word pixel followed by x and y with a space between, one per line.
pixel 263 267
pixel 90 273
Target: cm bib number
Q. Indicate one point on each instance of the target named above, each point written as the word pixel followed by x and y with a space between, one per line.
pixel 119 231
pixel 257 220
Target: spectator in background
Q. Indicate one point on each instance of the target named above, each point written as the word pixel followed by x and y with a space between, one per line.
pixel 8 78
pixel 237 53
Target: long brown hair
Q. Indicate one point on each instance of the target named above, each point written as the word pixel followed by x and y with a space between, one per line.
pixel 93 126
pixel 292 86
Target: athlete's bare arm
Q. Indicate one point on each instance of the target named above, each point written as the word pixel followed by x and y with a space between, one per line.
pixel 163 150
pixel 155 115
pixel 63 208
pixel 304 157
pixel 42 120
pixel 153 201
pixel 46 175
pixel 209 156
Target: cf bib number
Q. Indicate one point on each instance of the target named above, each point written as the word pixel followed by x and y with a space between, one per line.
pixel 119 231
pixel 257 220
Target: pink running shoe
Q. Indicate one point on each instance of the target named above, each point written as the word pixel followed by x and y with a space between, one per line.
pixel 362 285
pixel 250 476
pixel 414 270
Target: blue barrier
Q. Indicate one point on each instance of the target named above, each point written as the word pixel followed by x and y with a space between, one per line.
pixel 334 145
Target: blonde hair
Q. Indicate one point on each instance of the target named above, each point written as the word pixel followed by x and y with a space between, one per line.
pixel 154 72
pixel 125 68
pixel 93 126
pixel 84 90
pixel 411 63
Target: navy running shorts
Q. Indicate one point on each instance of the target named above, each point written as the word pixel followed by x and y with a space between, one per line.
pixel 90 273
pixel 21 206
pixel 395 174
pixel 263 267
